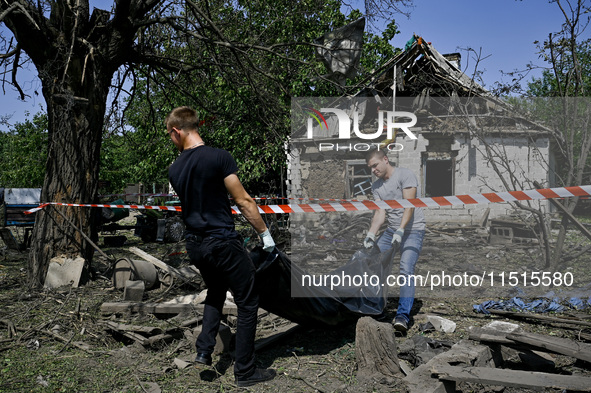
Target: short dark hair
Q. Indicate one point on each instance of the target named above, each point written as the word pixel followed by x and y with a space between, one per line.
pixel 379 153
pixel 182 117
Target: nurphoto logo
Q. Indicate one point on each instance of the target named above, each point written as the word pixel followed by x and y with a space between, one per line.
pixel 337 122
pixel 344 122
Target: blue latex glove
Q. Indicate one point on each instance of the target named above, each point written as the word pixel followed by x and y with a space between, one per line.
pixel 268 242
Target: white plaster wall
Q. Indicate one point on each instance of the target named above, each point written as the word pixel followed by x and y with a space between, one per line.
pixel 525 162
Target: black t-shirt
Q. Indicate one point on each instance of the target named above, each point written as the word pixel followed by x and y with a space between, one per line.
pixel 198 176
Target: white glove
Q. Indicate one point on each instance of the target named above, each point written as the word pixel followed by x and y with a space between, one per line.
pixel 268 242
pixel 369 240
pixel 397 237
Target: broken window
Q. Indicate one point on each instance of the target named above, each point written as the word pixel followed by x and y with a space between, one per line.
pixel 438 175
pixel 358 179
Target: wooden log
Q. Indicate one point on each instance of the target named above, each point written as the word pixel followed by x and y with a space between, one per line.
pixel 375 349
pixel 513 378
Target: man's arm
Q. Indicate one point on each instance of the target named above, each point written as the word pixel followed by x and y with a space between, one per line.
pixel 377 220
pixel 408 193
pixel 379 216
pixel 245 203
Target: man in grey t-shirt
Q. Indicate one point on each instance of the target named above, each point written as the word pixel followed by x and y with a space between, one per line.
pixel 406 227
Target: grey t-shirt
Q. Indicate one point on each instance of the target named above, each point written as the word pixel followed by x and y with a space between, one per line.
pixel 392 189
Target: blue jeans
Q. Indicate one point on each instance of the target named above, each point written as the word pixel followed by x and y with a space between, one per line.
pixel 410 248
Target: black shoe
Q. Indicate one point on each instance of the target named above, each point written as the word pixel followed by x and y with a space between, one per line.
pixel 400 325
pixel 259 375
pixel 203 358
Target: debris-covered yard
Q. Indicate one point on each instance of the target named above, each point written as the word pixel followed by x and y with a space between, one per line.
pixel 88 339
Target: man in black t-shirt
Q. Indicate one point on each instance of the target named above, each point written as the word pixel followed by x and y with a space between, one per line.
pixel 202 177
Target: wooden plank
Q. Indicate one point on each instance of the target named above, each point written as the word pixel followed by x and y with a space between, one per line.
pixel 568 214
pixel 145 308
pixel 484 218
pixel 559 345
pixel 513 378
pixel 136 337
pixel 463 352
pixel 490 336
pixel 166 338
pixel 161 308
pixel 120 327
pixel 280 334
pixel 528 315
pixel 191 322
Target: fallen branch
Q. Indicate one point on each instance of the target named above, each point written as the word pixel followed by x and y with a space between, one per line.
pixel 67 341
pixel 93 244
pixel 310 384
pixel 11 328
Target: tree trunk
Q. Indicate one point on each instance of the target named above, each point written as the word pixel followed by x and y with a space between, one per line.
pixel 376 350
pixel 76 119
pixel 558 247
pixel 76 55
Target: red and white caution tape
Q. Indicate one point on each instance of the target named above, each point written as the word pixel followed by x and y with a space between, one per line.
pixel 144 207
pixel 255 198
pixel 137 195
pixel 343 205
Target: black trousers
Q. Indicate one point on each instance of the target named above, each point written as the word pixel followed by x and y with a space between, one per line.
pixel 225 265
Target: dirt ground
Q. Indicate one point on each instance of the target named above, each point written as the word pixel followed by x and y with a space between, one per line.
pixel 56 340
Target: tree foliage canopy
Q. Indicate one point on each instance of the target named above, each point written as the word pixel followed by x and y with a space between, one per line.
pixel 241 87
pixel 23 153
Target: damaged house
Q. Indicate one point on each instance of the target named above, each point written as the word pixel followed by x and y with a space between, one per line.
pixel 433 119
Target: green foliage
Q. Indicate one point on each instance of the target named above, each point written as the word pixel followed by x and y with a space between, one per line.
pixel 570 72
pixel 559 99
pixel 243 89
pixel 135 157
pixel 23 153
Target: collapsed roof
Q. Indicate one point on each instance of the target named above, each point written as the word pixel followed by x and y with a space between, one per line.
pixel 421 71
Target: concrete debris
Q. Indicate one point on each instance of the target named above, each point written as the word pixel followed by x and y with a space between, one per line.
pixel 181 364
pixel 64 271
pixel 442 324
pixel 133 291
pixel 500 326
